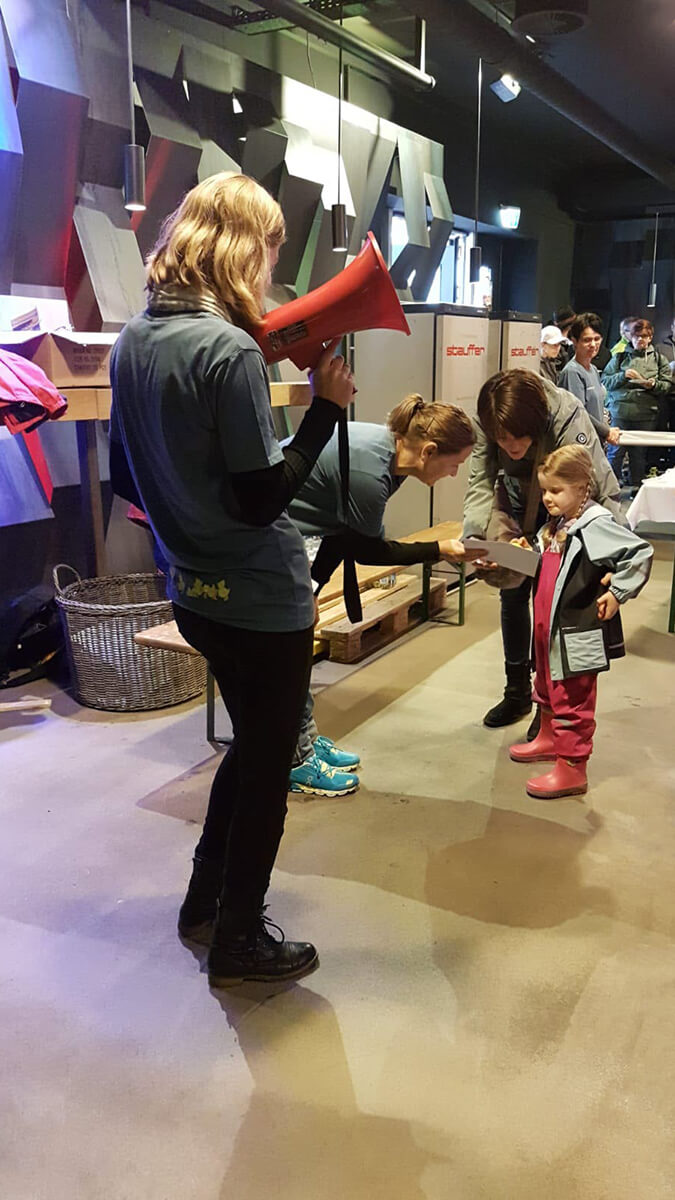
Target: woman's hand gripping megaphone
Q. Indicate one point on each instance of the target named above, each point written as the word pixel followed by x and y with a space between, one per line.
pixel 332 377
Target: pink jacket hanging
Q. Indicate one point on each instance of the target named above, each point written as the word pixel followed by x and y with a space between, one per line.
pixel 27 398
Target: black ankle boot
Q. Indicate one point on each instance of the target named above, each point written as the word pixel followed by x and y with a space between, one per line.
pixel 517 700
pixel 198 910
pixel 251 953
pixel 534 726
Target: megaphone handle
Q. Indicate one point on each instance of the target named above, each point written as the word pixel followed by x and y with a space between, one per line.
pixel 350 586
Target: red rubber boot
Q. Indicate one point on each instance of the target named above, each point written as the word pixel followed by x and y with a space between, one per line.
pixel 541 748
pixel 568 778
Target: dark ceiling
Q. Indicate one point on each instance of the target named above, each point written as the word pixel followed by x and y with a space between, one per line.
pixel 622 61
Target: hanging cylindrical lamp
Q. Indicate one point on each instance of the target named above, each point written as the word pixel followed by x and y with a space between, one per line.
pixel 651 303
pixel 134 155
pixel 475 253
pixel 338 212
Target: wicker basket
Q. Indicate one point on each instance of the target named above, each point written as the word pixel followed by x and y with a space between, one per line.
pixel 108 669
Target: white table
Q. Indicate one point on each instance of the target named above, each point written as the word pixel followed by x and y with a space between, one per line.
pixel 653 510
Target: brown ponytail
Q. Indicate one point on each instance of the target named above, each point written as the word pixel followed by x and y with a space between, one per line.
pixel 445 424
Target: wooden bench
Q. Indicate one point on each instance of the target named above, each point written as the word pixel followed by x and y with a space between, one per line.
pixel 386 617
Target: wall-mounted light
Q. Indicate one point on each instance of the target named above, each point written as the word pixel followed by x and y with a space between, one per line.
pixel 507 88
pixel 509 216
pixel 651 303
pixel 134 155
pixel 236 104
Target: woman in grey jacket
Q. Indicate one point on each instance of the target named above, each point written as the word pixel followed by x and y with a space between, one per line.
pixel 522 419
pixel 635 379
pixel 590 565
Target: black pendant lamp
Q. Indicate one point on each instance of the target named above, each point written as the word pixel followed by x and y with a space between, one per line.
pixel 475 253
pixel 338 212
pixel 134 155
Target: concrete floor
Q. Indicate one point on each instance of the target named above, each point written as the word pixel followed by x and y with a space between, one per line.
pixel 493 1013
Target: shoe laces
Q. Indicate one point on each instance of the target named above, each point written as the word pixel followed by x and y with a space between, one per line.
pixel 267 924
pixel 322 767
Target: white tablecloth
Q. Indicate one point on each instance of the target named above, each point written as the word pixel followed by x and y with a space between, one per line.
pixel 655 502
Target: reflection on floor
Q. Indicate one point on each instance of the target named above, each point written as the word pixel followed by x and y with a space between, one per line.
pixel 493 1013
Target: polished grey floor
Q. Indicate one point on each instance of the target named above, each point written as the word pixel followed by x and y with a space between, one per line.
pixel 493 1013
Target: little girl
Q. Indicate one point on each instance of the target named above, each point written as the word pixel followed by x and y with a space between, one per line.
pixel 577 627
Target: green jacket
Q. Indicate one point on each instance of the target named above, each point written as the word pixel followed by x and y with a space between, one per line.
pixel 619 346
pixel 627 399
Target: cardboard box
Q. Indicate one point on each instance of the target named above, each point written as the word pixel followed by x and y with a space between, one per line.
pixel 69 359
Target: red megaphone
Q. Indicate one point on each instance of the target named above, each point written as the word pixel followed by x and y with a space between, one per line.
pixel 360 297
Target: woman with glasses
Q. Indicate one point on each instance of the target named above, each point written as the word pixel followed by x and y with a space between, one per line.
pixel 635 378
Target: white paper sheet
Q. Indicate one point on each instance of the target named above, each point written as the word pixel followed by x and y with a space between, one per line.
pixel 515 558
pixel 645 437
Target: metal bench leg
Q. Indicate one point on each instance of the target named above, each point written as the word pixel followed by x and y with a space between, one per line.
pixel 211 712
pixel 462 593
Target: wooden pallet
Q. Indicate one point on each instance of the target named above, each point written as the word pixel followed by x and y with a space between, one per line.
pixel 386 620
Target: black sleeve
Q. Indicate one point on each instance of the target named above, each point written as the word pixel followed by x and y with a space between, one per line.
pixel 259 497
pixel 369 551
pixel 600 427
pixel 121 479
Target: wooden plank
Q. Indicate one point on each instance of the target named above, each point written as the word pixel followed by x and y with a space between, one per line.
pixel 165 637
pixel 82 404
pixel 336 610
pixel 26 704
pixel 386 621
pixel 294 395
pixel 437 533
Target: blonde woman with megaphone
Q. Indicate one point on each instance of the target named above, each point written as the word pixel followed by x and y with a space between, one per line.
pixel 427 442
pixel 191 416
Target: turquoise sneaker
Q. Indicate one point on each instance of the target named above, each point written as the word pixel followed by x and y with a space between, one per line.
pixel 316 778
pixel 344 760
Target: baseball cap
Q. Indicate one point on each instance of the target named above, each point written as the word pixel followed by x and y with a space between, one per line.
pixel 551 335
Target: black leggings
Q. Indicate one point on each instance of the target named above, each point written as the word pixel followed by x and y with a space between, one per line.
pixel 263 679
pixel 516 623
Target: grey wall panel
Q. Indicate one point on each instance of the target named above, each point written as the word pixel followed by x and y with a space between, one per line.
pixel 106 282
pixel 368 158
pixel 102 56
pixel 173 154
pixel 214 160
pixel 51 110
pixel 411 165
pixel 263 155
pixel 11 162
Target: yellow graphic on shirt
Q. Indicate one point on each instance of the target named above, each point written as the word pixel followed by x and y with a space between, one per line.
pixel 201 590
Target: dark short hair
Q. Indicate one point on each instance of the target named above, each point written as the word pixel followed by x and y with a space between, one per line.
pixel 513 403
pixel 642 326
pixel 563 316
pixel 586 320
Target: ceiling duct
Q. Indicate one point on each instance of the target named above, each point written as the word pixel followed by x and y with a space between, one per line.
pixel 484 38
pixel 550 18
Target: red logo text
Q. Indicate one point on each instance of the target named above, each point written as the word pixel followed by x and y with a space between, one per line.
pixel 523 351
pixel 470 349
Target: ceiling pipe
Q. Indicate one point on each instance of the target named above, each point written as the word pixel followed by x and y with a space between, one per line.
pixel 306 18
pixel 488 40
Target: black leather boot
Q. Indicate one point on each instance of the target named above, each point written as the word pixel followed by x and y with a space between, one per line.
pixel 198 910
pixel 534 726
pixel 251 953
pixel 517 700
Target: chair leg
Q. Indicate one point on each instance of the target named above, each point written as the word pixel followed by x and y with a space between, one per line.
pixel 211 713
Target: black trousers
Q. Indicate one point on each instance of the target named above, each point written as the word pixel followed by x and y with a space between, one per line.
pixel 263 679
pixel 516 623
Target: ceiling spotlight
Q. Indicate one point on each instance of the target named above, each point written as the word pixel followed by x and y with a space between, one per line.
pixel 529 38
pixel 507 88
pixel 338 215
pixel 509 216
pixel 236 105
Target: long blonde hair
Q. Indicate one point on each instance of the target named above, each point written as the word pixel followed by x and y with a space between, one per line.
pixel 217 242
pixel 572 464
pixel 445 424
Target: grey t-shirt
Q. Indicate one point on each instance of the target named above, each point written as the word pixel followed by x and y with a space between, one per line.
pixel 317 508
pixel 587 386
pixel 191 406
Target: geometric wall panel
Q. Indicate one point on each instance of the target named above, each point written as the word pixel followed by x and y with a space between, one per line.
pixel 51 109
pixel 105 283
pixel 11 158
pixel 172 155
